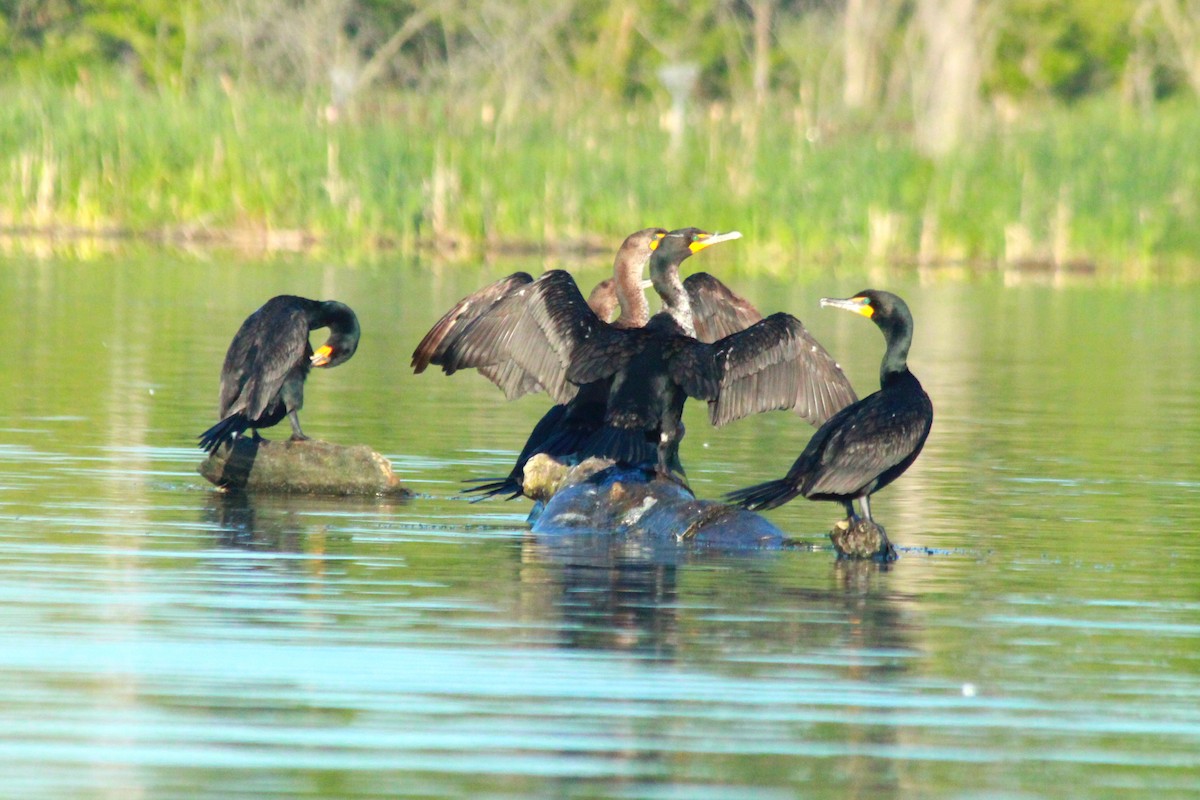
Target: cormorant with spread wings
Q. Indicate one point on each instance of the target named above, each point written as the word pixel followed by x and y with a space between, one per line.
pixel 554 339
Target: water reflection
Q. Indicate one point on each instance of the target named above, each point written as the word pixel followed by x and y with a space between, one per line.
pixel 165 640
pixel 608 600
pixel 602 596
pixel 242 521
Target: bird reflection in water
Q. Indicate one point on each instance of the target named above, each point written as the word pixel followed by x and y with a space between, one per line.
pixel 815 631
pixel 251 523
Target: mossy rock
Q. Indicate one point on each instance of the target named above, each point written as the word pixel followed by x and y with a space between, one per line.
pixel 301 467
pixel 861 539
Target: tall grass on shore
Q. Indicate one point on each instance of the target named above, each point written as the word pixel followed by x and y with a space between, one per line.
pixel 1095 183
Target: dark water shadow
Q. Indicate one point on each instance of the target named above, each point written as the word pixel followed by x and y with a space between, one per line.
pixel 235 471
pixel 249 523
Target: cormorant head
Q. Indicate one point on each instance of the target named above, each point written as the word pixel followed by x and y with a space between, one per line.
pixel 879 306
pixel 892 316
pixel 642 242
pixel 636 251
pixel 680 244
pixel 343 334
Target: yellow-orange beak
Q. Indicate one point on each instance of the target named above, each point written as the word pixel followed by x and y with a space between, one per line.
pixel 856 305
pixel 321 357
pixel 709 239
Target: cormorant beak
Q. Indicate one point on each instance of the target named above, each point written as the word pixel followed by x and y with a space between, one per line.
pixel 321 357
pixel 645 284
pixel 709 239
pixel 856 305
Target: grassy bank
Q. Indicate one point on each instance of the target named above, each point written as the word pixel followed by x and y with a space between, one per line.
pixel 1098 183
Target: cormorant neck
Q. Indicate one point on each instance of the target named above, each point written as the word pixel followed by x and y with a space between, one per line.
pixel 343 327
pixel 664 274
pixel 338 317
pixel 627 279
pixel 898 334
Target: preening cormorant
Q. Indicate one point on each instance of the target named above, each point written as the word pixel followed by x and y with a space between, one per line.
pixel 560 343
pixel 262 379
pixel 867 444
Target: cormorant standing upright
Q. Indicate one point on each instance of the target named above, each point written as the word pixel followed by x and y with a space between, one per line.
pixel 868 444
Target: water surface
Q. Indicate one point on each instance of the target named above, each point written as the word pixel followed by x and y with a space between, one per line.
pixel 1040 636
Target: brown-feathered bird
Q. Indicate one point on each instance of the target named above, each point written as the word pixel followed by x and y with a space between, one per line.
pixel 558 341
pixel 565 425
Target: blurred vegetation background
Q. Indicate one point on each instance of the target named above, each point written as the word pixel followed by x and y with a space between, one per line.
pixel 1058 133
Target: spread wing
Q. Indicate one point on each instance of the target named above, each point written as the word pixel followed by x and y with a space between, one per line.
pixel 441 336
pixel 268 345
pixel 604 354
pixel 717 310
pixel 541 332
pixel 773 364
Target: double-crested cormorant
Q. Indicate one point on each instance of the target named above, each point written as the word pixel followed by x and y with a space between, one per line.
pixel 870 443
pixel 566 425
pixel 565 429
pixel 262 380
pixel 773 364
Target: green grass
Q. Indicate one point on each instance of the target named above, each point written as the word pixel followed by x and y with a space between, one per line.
pixel 1098 182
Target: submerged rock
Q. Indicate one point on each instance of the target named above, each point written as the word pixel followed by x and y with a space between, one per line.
pixel 599 497
pixel 301 467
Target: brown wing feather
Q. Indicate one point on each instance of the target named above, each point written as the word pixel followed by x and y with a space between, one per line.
pixel 718 310
pixel 442 335
pixel 538 329
pixel 266 347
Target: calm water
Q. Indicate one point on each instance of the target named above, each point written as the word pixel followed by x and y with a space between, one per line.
pixel 1039 638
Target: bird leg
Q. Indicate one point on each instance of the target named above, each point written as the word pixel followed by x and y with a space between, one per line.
pixel 867 530
pixel 865 502
pixel 669 466
pixel 297 434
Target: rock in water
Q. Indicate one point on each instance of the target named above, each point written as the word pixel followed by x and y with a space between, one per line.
pixel 634 503
pixel 301 467
pixel 863 539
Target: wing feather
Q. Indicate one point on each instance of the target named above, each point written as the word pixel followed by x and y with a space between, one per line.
pixel 871 439
pixel 433 347
pixel 539 329
pixel 717 310
pixel 271 341
pixel 776 364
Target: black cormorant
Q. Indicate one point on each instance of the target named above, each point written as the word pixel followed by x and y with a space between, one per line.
pixel 564 429
pixel 557 340
pixel 565 425
pixel 868 444
pixel 262 380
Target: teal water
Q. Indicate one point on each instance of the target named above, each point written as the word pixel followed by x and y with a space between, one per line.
pixel 1040 636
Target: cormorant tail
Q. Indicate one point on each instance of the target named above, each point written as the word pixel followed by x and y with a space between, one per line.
pixel 763 496
pixel 566 441
pixel 224 431
pixel 491 487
